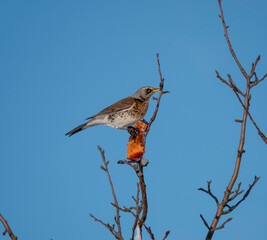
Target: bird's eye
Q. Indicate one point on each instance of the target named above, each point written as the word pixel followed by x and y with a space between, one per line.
pixel 148 90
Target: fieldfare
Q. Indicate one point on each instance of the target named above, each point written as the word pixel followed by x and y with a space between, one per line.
pixel 122 114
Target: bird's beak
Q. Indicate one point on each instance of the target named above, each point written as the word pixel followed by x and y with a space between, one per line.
pixel 156 90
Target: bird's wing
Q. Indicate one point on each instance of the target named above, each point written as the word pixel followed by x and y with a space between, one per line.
pixel 117 107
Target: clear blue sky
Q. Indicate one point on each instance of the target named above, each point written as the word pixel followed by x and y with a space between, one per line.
pixel 63 61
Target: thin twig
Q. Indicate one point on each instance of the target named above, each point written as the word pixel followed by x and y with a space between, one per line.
pixel 144 195
pixel 110 228
pixel 161 85
pixel 243 198
pixel 253 67
pixel 258 81
pixel 124 209
pixel 130 163
pixel 252 120
pixel 222 226
pixel 117 218
pixel 7 228
pixel 209 192
pixel 228 84
pixel 166 235
pixel 237 192
pixel 138 210
pixel 205 222
pixel 229 43
pixel 148 229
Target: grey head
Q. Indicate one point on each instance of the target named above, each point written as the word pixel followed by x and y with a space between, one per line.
pixel 145 93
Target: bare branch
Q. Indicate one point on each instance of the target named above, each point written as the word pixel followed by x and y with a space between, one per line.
pixel 252 71
pixel 258 81
pixel 229 85
pixel 256 77
pixel 222 226
pixel 243 198
pixel 209 192
pixel 124 209
pixel 237 192
pixel 148 229
pixel 144 196
pixel 229 43
pixel 252 120
pixel 130 163
pixel 205 222
pixel 117 218
pixel 166 235
pixel 161 85
pixel 138 210
pixel 7 228
pixel 240 150
pixel 110 228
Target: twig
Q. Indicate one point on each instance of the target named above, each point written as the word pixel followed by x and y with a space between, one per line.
pixel 124 209
pixel 138 210
pixel 229 43
pixel 252 71
pixel 110 228
pixel 148 229
pixel 130 163
pixel 161 85
pixel 7 228
pixel 237 192
pixel 144 196
pixel 144 205
pixel 229 85
pixel 243 198
pixel 252 120
pixel 209 192
pixel 258 81
pixel 166 235
pixel 205 222
pixel 117 218
pixel 222 226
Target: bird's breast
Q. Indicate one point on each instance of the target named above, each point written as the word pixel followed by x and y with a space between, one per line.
pixel 141 107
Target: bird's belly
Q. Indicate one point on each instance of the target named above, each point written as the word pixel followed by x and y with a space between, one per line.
pixel 122 119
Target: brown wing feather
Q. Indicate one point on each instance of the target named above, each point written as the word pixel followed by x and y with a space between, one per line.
pixel 117 107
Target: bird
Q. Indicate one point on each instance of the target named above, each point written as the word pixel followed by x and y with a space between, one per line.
pixel 122 114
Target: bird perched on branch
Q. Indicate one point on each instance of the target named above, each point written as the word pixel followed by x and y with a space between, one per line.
pixel 122 114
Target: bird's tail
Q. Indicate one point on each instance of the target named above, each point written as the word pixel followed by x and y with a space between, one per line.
pixel 77 129
pixel 90 123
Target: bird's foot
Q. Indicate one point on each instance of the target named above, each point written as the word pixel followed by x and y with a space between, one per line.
pixel 144 121
pixel 133 132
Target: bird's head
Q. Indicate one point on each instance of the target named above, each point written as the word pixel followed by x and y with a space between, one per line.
pixel 145 93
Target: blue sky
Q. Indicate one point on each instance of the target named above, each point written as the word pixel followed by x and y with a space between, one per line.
pixel 63 61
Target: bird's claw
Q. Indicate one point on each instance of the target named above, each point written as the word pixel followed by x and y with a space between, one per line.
pixel 144 121
pixel 133 132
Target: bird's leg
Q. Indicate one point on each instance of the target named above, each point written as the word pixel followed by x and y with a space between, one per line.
pixel 133 131
pixel 144 121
